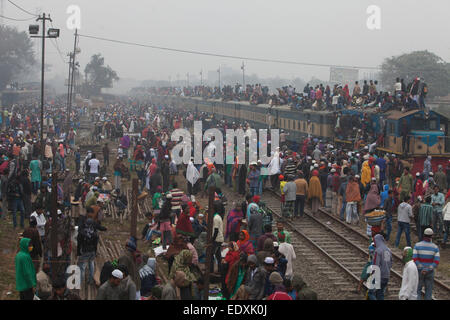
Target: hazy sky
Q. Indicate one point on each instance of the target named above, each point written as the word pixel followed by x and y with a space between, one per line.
pixel 326 31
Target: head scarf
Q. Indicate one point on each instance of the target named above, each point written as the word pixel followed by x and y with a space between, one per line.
pixel 245 245
pixel 182 263
pixel 373 198
pixel 148 269
pixel 382 256
pixel 233 221
pixel 409 254
pixel 366 173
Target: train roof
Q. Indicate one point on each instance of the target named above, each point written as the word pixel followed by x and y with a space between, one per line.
pixel 374 111
pixel 282 107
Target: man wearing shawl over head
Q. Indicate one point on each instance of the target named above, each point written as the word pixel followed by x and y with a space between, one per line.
pixel 382 259
pixel 315 193
pixel 274 169
pixel 192 176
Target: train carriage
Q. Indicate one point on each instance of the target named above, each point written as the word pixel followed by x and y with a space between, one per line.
pixel 428 133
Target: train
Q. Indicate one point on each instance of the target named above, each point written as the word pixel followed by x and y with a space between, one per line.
pixel 427 135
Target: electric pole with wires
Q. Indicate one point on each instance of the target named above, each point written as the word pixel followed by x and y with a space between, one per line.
pixel 52 33
pixel 72 66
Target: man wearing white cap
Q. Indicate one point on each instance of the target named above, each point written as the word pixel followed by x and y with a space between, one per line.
pixel 106 185
pixel 110 290
pixel 426 256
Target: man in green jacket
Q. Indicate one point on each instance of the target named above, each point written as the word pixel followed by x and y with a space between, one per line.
pixel 406 183
pixel 25 272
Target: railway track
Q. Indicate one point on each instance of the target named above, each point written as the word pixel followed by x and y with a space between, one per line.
pixel 345 250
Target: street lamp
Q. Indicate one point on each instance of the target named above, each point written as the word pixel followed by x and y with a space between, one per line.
pixel 53 33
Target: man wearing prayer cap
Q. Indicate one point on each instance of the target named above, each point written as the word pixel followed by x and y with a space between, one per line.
pixel 256 287
pixel 110 290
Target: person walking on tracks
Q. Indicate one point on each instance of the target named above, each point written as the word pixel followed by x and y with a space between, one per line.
pixel 410 277
pixel 300 196
pixel 437 201
pixel 315 192
pixel 289 190
pixel 353 196
pixel 426 256
pixel 404 216
pixel 382 259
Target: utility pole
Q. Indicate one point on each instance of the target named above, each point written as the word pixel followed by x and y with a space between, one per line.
pixel 54 231
pixel 209 253
pixel 187 75
pixel 69 107
pixel 201 77
pixel 134 207
pixel 43 18
pixel 243 75
pixel 52 33
pixel 68 88
pixel 218 71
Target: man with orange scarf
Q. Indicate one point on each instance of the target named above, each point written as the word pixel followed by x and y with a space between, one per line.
pixel 315 192
pixel 353 196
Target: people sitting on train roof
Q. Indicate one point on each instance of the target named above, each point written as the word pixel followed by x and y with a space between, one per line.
pixel 400 97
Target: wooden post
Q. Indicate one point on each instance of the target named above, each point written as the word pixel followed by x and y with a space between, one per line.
pixel 134 209
pixel 209 252
pixel 54 230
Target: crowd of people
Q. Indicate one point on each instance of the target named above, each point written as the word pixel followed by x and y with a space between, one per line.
pixel 400 96
pixel 250 260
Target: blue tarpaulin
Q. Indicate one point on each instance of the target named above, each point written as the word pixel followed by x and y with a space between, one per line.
pixel 429 138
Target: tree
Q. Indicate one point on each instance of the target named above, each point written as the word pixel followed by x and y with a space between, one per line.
pixel 16 54
pixel 98 75
pixel 432 69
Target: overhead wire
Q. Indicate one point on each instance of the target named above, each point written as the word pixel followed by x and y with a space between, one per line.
pixel 22 9
pixel 15 19
pixel 57 46
pixel 225 55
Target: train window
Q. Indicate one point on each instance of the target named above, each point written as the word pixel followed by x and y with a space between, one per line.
pixel 298 125
pixel 391 128
pixel 418 123
pixel 304 126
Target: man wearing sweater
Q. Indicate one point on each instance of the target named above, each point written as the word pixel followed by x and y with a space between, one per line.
pixel 404 215
pixel 426 256
pixel 301 193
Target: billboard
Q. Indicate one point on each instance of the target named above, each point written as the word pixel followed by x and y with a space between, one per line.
pixel 343 75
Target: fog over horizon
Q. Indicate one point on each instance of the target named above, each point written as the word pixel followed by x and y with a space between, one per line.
pixel 322 32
